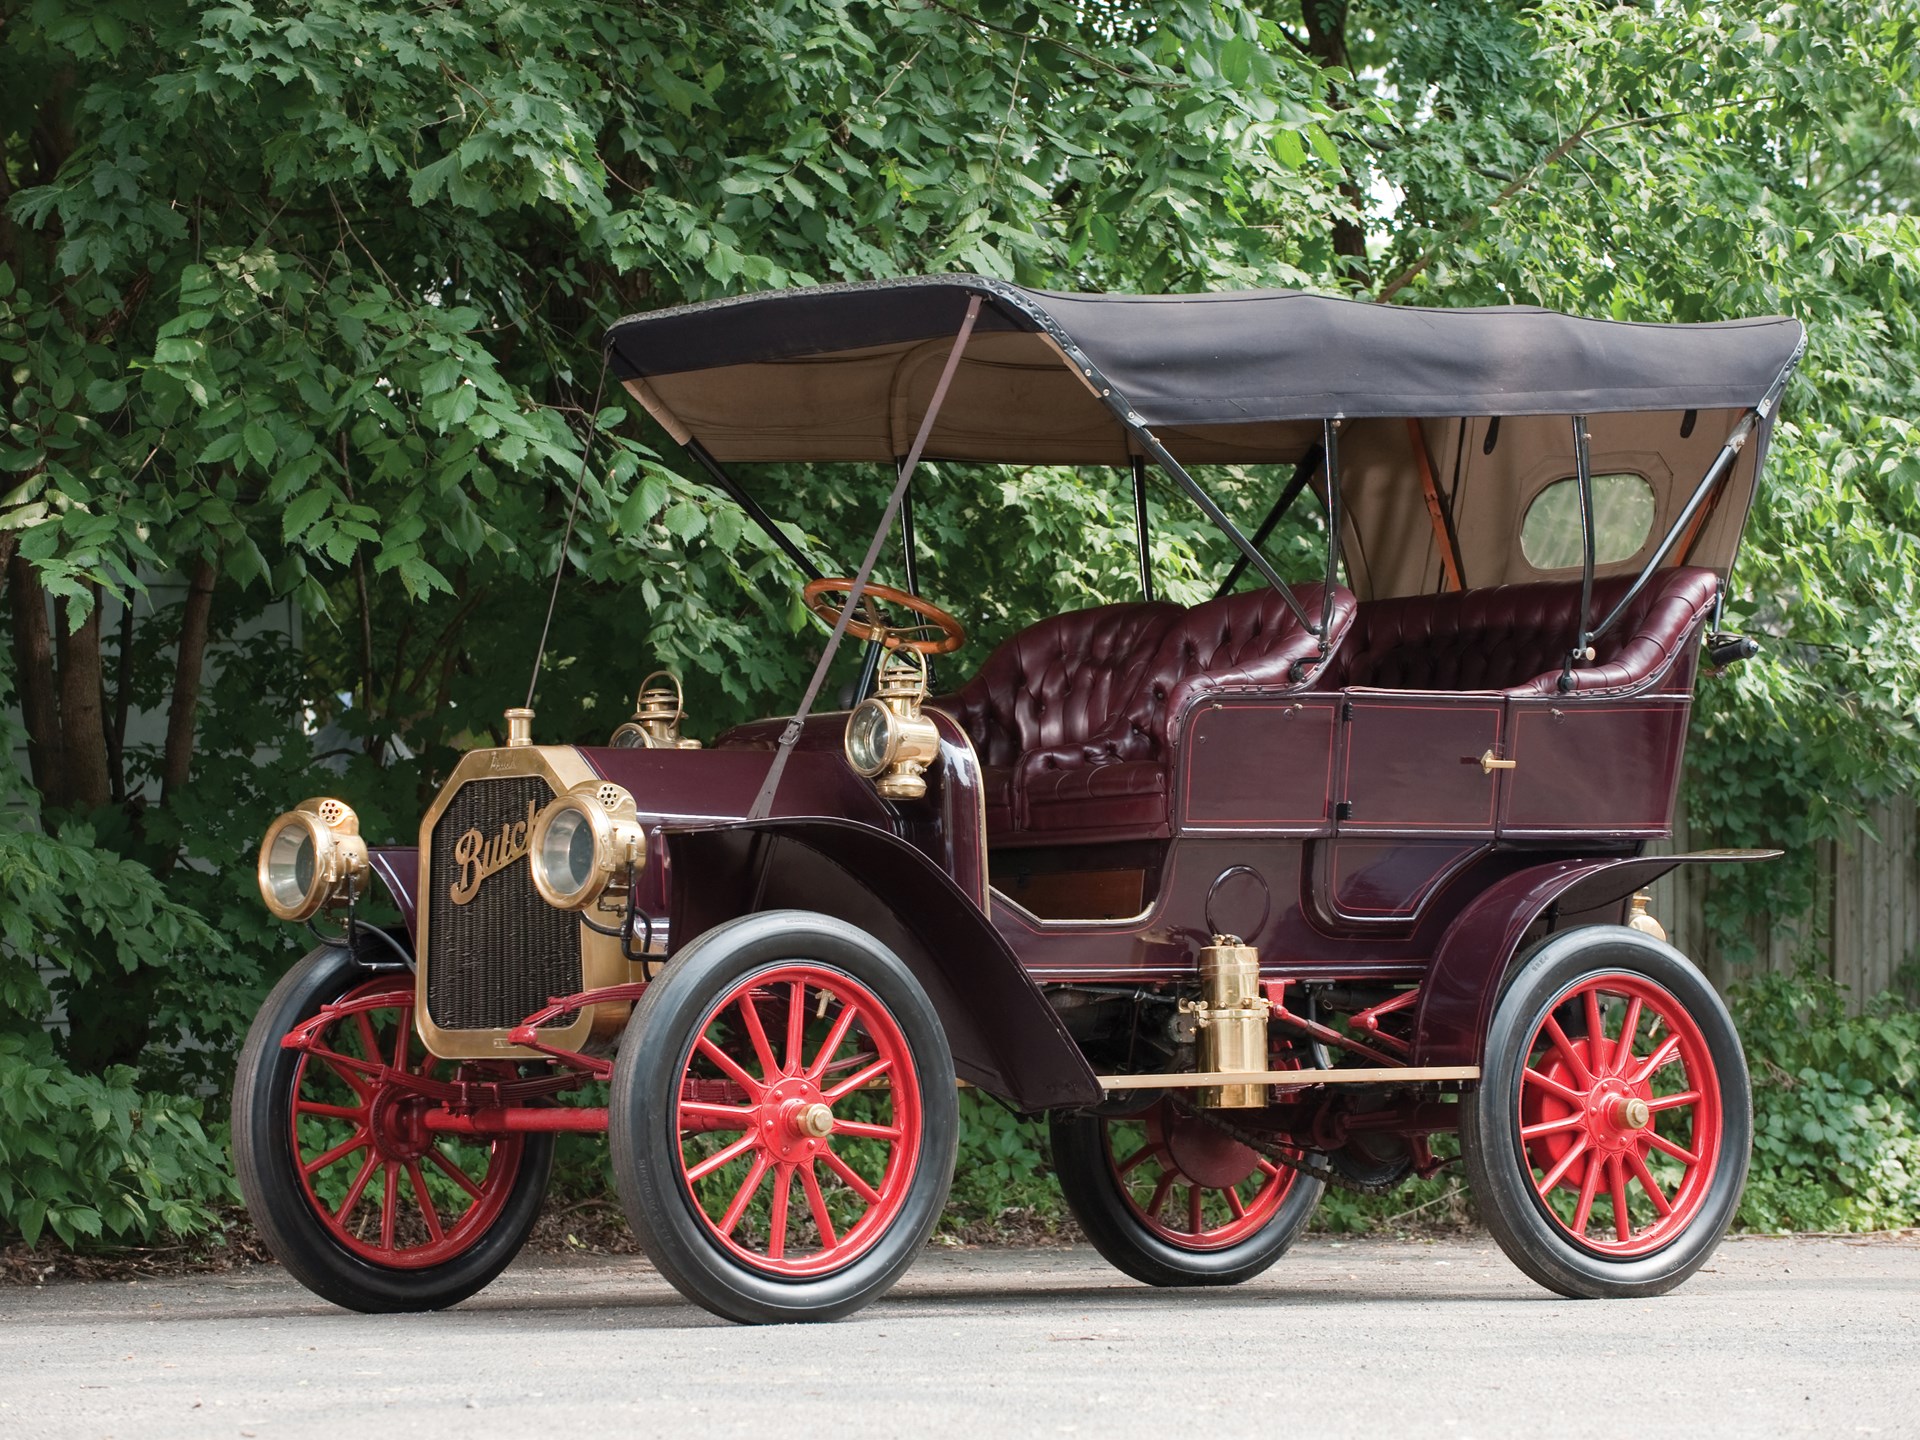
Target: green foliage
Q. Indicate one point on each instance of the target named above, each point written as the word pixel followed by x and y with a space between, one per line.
pixel 96 1157
pixel 1836 1108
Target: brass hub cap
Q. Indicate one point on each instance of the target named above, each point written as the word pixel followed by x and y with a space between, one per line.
pixel 1632 1113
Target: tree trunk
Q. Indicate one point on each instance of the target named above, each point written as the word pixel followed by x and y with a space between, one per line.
pixel 83 720
pixel 177 763
pixel 1327 43
pixel 33 667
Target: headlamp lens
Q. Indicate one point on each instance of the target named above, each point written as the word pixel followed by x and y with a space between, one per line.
pixel 291 865
pixel 869 737
pixel 567 851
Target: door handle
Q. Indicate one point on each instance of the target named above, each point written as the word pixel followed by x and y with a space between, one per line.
pixel 1489 764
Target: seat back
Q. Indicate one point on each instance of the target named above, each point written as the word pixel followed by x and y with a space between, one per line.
pixel 1060 681
pixel 1516 637
pixel 1249 639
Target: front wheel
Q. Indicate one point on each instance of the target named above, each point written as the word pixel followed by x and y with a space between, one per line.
pixel 1607 1142
pixel 350 1192
pixel 782 1119
pixel 1172 1200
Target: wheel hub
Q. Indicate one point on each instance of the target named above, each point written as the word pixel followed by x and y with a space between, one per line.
pixel 793 1120
pixel 397 1122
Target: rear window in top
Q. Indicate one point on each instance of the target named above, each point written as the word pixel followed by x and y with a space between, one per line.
pixel 1622 521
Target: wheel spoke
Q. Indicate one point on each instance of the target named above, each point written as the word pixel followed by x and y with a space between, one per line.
pixel 854 1081
pixel 1567 1052
pixel 1589 1187
pixel 1668 1048
pixel 1552 1086
pixel 848 1174
pixel 1596 1033
pixel 1617 1184
pixel 744 1198
pixel 817 1203
pixel 389 1204
pixel 1623 1052
pixel 1648 1183
pixel 331 1112
pixel 1672 1102
pixel 796 1027
pixel 714 1117
pixel 1554 1176
pixel 358 1188
pixel 1139 1157
pixel 757 1036
pixel 1160 1193
pixel 1667 1147
pixel 777 1218
pixel 1552 1127
pixel 1196 1222
pixel 426 1201
pixel 732 1068
pixel 402 1032
pixel 452 1171
pixel 344 1148
pixel 866 1131
pixel 347 1067
pixel 369 1046
pixel 1235 1203
pixel 1267 1167
pixel 842 1023
pixel 720 1159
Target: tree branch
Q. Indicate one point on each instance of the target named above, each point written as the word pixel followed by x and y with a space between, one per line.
pixel 177 760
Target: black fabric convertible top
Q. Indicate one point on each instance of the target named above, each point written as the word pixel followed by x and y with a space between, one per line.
pixel 1238 358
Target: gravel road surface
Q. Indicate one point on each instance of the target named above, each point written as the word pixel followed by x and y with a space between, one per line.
pixel 1373 1338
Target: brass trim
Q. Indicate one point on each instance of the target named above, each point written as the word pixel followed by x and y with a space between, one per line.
pixel 519 727
pixel 619 843
pixel 913 741
pixel 1641 919
pixel 1380 1075
pixel 601 962
pixel 1490 763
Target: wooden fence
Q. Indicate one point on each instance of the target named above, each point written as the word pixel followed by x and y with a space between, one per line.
pixel 1864 929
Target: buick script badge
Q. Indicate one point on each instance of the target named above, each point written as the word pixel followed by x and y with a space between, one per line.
pixel 478 856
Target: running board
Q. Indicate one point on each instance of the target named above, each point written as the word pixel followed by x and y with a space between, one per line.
pixel 1379 1075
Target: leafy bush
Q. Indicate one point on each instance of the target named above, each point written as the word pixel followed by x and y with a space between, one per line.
pixel 1836 1103
pixel 94 1157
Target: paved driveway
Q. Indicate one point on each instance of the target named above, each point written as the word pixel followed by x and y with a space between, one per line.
pixel 1368 1338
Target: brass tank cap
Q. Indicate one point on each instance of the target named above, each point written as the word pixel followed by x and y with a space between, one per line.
pixel 519 727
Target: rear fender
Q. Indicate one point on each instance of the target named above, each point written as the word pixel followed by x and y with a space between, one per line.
pixel 1474 956
pixel 1004 1035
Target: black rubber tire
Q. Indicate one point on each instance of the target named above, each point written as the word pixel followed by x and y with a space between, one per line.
pixel 1093 1195
pixel 1497 1170
pixel 646 1146
pixel 263 1162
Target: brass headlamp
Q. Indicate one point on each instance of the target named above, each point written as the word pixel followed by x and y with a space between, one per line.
pixel 585 843
pixel 312 858
pixel 657 714
pixel 888 740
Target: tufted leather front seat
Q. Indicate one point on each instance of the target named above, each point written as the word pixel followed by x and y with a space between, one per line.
pixel 1071 717
pixel 1515 637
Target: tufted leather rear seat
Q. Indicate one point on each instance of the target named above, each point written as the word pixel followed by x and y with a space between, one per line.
pixel 1515 637
pixel 1070 717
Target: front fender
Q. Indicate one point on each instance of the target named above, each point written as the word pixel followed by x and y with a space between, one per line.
pixel 1004 1035
pixel 1461 986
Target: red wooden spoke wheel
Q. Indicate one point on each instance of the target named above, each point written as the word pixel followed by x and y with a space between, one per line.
pixel 349 1190
pixel 384 1187
pixel 1620 1115
pixel 1173 1200
pixel 799 1120
pixel 1606 1141
pixel 1191 1184
pixel 782 1118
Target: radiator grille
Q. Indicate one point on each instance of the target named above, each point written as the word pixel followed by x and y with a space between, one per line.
pixel 496 959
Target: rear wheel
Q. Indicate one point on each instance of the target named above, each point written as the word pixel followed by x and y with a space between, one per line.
pixel 360 1203
pixel 783 1119
pixel 1607 1142
pixel 1172 1200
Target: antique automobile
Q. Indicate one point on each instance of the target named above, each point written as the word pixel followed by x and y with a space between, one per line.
pixel 1325 880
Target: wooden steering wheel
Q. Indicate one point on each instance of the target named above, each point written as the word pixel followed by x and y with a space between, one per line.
pixel 937 633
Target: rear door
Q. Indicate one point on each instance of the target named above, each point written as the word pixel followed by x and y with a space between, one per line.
pixel 1420 763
